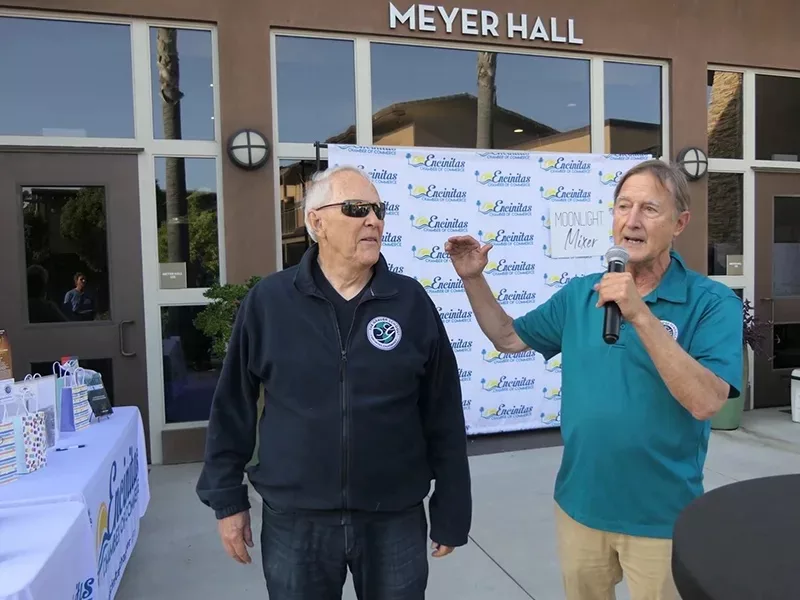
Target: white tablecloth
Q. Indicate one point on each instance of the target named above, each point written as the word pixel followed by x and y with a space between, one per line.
pixel 108 475
pixel 46 553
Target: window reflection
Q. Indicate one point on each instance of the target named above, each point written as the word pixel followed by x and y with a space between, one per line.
pixel 316 89
pixel 191 371
pixel 66 254
pixel 777 118
pixel 786 247
pixel 633 109
pixel 182 83
pixel 467 99
pixel 65 79
pixel 724 97
pixel 725 223
pixel 188 234
pixel 295 174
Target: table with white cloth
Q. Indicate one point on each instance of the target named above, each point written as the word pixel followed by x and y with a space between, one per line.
pixel 108 475
pixel 47 553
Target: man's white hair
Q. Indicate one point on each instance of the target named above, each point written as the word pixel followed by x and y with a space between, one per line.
pixel 320 189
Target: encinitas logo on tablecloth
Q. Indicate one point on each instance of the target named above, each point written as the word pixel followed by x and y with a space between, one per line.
pixel 113 518
pixel 84 590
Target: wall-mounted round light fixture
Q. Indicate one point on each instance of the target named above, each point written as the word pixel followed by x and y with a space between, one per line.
pixel 693 162
pixel 248 149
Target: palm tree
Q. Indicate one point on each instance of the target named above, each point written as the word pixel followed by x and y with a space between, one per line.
pixel 487 98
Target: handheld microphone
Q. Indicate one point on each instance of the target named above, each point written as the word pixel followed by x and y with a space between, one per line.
pixel 617 258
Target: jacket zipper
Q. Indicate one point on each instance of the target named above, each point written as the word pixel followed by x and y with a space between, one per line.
pixel 343 398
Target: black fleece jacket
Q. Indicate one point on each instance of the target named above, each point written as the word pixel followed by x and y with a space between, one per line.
pixel 366 428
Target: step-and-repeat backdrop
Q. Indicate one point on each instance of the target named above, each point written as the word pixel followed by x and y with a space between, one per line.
pixel 548 218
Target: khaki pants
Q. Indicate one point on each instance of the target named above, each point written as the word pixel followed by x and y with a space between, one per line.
pixel 593 562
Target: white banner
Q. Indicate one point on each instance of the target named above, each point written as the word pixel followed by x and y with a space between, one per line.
pixel 502 198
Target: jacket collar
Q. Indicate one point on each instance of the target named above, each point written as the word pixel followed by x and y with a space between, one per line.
pixel 672 287
pixel 383 284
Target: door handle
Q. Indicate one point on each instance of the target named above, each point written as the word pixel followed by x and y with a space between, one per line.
pixel 122 350
pixel 775 338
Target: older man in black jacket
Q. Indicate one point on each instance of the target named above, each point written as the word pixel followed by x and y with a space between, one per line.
pixel 362 410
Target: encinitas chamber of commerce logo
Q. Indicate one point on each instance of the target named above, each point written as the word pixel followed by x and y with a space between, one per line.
pixel 546 251
pixel 498 358
pixel 505 297
pixel 504 384
pixel 384 333
pixel 440 285
pixel 391 240
pixel 434 254
pixel 517 411
pixel 464 374
pixel 432 162
pixel 610 179
pixel 437 224
pixel 461 345
pixel 455 315
pixel 393 209
pixel 550 418
pixel 546 221
pixel 501 208
pixel 501 237
pixel 552 393
pixel 564 194
pixel 504 267
pixel 466 404
pixel 626 156
pixel 112 518
pixel 380 176
pixel 502 179
pixel 557 280
pixel 553 365
pixel 564 165
pixel 433 193
pixel 396 268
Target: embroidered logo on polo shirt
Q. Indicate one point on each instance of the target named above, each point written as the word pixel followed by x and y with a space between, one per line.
pixel 384 333
pixel 671 328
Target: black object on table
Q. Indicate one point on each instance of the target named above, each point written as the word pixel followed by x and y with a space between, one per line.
pixel 740 542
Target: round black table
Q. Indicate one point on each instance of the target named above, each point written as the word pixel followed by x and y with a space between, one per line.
pixel 740 542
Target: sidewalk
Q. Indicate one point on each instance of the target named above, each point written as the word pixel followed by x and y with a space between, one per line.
pixel 511 554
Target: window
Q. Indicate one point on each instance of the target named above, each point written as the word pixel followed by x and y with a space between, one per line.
pixel 633 109
pixel 293 178
pixel 66 79
pixel 725 117
pixel 786 247
pixel 188 232
pixel 182 84
pixel 468 99
pixel 777 118
pixel 725 223
pixel 316 92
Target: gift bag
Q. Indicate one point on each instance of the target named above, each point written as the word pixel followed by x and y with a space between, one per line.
pixel 98 398
pixel 75 409
pixel 30 435
pixel 8 453
pixel 46 400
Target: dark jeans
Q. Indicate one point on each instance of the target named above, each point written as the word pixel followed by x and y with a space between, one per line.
pixel 306 556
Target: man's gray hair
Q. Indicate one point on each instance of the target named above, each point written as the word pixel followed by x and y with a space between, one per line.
pixel 669 176
pixel 320 188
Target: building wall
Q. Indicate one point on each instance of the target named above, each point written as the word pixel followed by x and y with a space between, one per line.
pixel 687 33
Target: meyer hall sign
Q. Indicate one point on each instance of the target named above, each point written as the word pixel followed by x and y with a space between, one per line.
pixel 484 23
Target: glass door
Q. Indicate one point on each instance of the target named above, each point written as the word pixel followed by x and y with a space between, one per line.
pixel 71 248
pixel 777 284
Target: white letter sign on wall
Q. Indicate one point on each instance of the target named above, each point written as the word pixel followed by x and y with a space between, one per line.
pixel 484 23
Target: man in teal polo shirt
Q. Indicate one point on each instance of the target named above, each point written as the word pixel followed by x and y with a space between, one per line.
pixel 635 414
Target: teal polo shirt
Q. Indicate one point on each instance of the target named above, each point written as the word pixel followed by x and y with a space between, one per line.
pixel 633 455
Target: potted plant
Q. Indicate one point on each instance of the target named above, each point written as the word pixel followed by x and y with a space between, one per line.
pixel 755 334
pixel 216 321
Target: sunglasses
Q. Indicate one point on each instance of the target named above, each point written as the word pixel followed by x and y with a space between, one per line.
pixel 359 210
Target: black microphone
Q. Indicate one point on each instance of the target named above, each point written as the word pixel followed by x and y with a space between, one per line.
pixel 617 258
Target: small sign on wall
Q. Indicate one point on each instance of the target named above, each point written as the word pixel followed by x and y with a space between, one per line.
pixel 578 231
pixel 173 276
pixel 735 264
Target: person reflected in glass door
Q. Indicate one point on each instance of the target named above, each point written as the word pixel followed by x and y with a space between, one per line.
pixel 40 308
pixel 78 304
